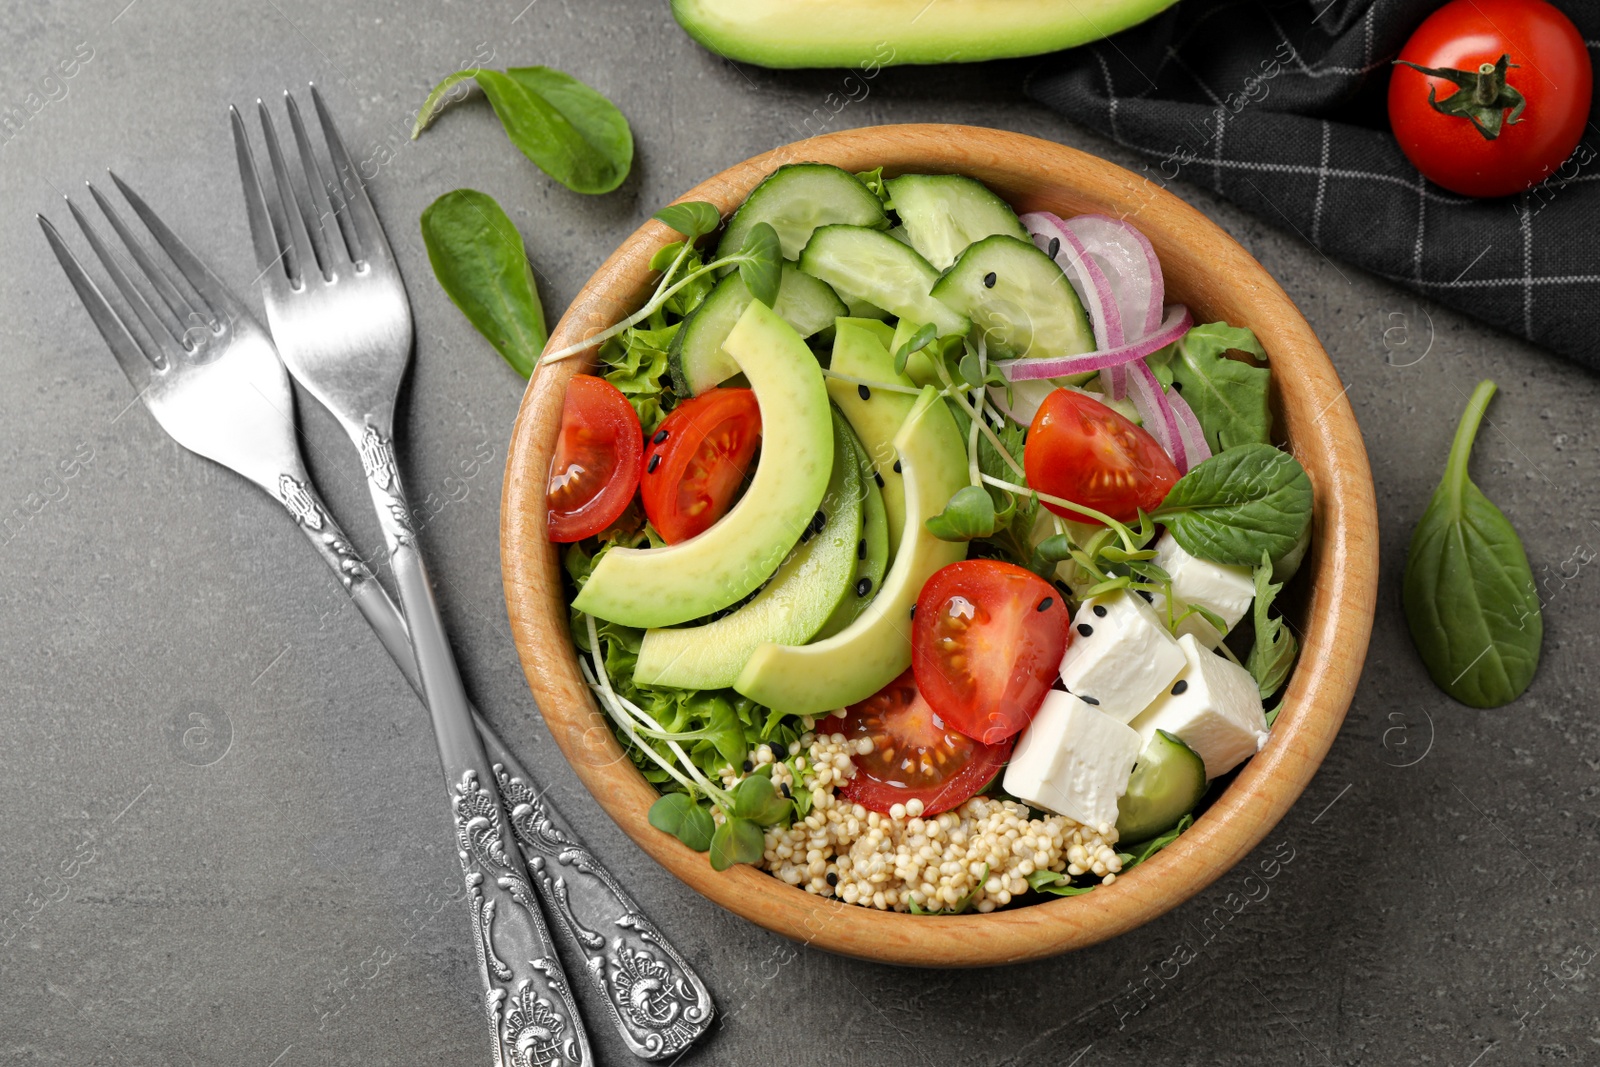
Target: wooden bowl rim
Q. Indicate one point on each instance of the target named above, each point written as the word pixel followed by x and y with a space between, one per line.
pixel 1212 272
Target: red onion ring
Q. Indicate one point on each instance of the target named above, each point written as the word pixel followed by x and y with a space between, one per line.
pixel 1174 326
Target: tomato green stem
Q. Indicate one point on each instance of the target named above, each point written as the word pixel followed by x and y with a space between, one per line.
pixel 1482 97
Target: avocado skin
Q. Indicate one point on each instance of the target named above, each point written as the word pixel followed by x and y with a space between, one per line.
pixel 851 33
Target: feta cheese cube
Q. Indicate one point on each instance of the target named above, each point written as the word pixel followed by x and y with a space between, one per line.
pixel 1225 591
pixel 1214 707
pixel 1073 760
pixel 1121 656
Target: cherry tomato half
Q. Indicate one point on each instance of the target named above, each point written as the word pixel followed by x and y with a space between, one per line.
pixel 1082 451
pixel 598 458
pixel 914 754
pixel 1549 69
pixel 696 460
pixel 986 644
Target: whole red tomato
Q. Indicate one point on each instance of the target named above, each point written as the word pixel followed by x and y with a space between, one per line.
pixel 1491 127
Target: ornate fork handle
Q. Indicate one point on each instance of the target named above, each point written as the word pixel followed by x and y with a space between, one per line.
pixel 656 1000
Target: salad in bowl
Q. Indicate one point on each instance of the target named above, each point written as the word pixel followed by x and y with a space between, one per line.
pixel 919 552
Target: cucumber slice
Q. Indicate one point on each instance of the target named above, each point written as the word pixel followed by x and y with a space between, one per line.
pixel 796 199
pixel 696 358
pixel 944 213
pixel 1028 310
pixel 872 551
pixel 863 264
pixel 793 606
pixel 1166 784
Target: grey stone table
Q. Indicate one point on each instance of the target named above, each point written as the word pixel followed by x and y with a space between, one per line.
pixel 222 837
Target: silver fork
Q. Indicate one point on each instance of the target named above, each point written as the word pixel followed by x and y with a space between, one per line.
pixel 207 371
pixel 338 311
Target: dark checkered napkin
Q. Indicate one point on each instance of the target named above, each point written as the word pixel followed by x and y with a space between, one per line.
pixel 1281 108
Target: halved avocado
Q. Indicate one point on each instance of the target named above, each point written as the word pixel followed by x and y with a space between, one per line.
pixel 850 33
pixel 872 551
pixel 789 610
pixel 875 415
pixel 647 587
pixel 869 653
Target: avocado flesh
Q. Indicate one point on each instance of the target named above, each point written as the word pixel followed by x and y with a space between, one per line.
pixel 872 550
pixel 859 351
pixel 649 587
pixel 851 33
pixel 788 610
pixel 872 651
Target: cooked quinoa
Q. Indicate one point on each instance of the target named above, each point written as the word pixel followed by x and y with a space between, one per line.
pixel 891 861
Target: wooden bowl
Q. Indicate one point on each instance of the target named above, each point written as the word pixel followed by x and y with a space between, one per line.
pixel 1205 269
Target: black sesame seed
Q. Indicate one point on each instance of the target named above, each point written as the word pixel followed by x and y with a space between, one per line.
pixel 833 879
pixel 818 521
pixel 863 392
pixel 748 766
pixel 784 789
pixel 1044 605
pixel 661 435
pixel 1085 629
pixel 897 466
pixel 1148 599
pixel 878 478
pixel 1178 386
pixel 913 611
pixel 655 461
pixel 1089 700
pixel 1100 611
pixel 989 280
pixel 863 586
pixel 1055 247
pixel 861 549
pixel 1180 687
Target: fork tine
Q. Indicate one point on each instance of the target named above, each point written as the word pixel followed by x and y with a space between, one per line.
pixel 183 314
pixel 331 248
pixel 130 355
pixel 161 333
pixel 207 285
pixel 288 215
pixel 256 204
pixel 354 204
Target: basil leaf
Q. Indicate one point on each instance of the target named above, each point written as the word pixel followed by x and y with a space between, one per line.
pixel 1228 397
pixel 758 800
pixel 761 269
pixel 969 514
pixel 1239 503
pixel 1273 653
pixel 691 219
pixel 568 130
pixel 679 815
pixel 477 256
pixel 736 841
pixel 1469 594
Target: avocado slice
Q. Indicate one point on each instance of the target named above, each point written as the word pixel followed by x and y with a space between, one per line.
pixel 872 551
pixel 859 351
pixel 793 606
pixel 849 33
pixel 869 653
pixel 647 587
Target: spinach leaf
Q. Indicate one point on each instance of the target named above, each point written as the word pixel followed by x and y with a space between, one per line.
pixel 571 132
pixel 1229 397
pixel 1156 844
pixel 679 815
pixel 477 256
pixel 1056 883
pixel 736 841
pixel 1250 499
pixel 1273 653
pixel 1469 594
